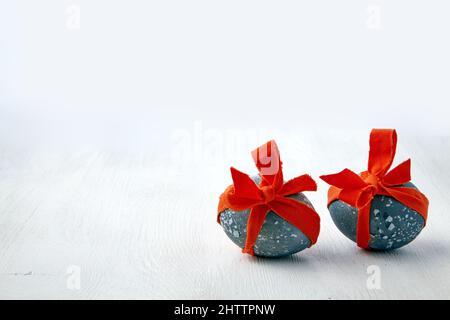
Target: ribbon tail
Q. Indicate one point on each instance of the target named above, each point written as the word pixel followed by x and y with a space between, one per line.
pixel 363 226
pixel 244 186
pixel 346 179
pixel 401 174
pixel 298 184
pixel 241 195
pixel 298 214
pixel 254 225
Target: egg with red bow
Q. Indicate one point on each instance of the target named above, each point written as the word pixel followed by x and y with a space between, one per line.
pixel 277 237
pixel 392 224
pixel 265 215
pixel 379 209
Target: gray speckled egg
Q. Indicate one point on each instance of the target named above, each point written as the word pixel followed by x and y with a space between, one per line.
pixel 277 237
pixel 392 224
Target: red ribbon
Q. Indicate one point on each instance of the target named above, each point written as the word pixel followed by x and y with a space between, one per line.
pixel 270 195
pixel 358 191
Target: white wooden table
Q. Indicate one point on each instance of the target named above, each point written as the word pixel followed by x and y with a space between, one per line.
pixel 135 224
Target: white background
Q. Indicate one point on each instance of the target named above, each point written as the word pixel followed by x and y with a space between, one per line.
pixel 117 130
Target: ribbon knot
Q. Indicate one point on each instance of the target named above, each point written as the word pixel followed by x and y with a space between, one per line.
pixel 371 179
pixel 358 191
pixel 270 194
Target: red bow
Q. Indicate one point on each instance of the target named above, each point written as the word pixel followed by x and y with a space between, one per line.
pixel 270 195
pixel 358 191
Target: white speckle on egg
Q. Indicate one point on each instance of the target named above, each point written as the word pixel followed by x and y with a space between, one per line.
pixel 391 227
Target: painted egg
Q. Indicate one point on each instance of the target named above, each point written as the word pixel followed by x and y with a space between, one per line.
pixel 277 237
pixel 392 224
